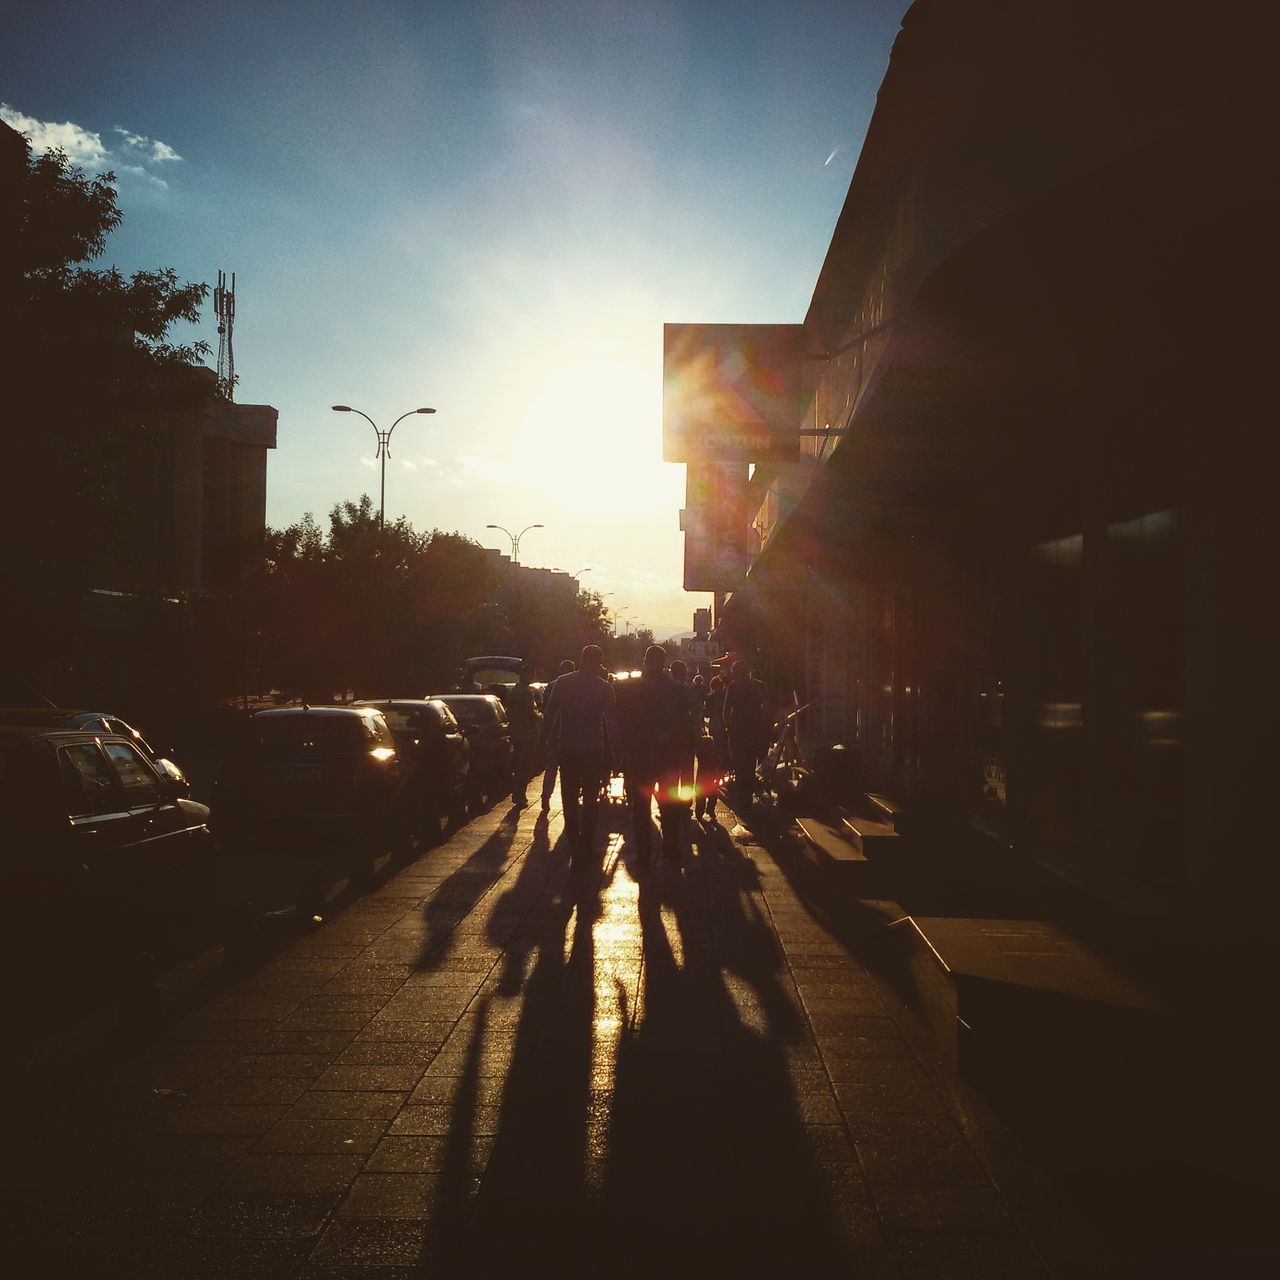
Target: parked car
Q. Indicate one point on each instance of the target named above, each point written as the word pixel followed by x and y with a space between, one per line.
pixel 436 758
pixel 484 721
pixel 492 674
pixel 102 864
pixel 304 790
pixel 98 722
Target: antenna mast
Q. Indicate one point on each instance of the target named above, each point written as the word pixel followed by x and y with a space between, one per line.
pixel 224 307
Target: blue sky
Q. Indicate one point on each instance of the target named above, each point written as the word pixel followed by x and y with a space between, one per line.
pixel 490 208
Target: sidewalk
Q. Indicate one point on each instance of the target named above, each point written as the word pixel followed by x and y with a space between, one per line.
pixel 490 1067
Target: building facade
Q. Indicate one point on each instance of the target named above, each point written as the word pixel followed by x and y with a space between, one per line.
pixel 1012 535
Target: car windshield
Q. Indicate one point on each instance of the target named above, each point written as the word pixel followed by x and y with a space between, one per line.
pixel 399 717
pixel 476 714
pixel 486 676
pixel 318 735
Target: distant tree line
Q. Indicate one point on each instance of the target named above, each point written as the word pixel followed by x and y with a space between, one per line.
pixel 392 611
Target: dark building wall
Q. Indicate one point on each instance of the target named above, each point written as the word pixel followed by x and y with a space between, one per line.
pixel 1033 565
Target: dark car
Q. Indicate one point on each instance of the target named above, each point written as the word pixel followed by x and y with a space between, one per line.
pixel 484 721
pixel 311 787
pixel 101 862
pixel 97 722
pixel 436 758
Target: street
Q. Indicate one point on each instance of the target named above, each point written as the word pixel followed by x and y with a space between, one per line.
pixel 490 1066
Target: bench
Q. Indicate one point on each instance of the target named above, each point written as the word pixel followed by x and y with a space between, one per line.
pixel 1021 988
pixel 870 836
pixel 831 841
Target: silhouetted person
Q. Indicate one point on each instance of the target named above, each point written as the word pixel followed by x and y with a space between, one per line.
pixel 691 701
pixel 655 727
pixel 551 741
pixel 746 723
pixel 715 712
pixel 710 758
pixel 523 713
pixel 581 703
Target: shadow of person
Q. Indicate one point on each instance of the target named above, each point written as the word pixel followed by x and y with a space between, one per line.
pixel 711 1164
pixel 533 1213
pixel 457 897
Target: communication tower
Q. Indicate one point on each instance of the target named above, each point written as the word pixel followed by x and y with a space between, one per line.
pixel 224 307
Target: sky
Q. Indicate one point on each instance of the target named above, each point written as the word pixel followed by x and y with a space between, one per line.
pixel 485 207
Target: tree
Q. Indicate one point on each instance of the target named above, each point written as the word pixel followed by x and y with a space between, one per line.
pixel 391 612
pixel 93 388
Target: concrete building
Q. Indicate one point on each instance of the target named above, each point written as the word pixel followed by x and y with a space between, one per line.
pixel 195 498
pixel 1007 506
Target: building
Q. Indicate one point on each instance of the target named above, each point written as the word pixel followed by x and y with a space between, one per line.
pixel 198 494
pixel 1002 499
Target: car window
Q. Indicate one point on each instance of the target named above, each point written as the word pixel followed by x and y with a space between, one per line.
pixel 141 786
pixel 377 731
pixel 87 779
pixel 472 715
pixel 277 736
pixel 401 718
pixel 447 718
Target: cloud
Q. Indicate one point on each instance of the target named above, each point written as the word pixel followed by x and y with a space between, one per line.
pixel 146 150
pixel 81 145
pixel 133 156
pixel 408 464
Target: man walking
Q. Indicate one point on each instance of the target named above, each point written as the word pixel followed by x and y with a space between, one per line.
pixel 524 716
pixel 746 722
pixel 551 741
pixel 581 704
pixel 691 701
pixel 654 727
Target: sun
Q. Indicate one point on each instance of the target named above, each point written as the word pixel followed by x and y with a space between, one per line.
pixel 591 435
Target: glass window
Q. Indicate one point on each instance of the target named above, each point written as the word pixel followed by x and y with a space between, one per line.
pixel 376 729
pixel 446 717
pixel 141 786
pixel 87 778
pixel 281 736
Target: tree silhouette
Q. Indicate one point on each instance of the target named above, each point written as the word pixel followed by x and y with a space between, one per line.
pixel 94 383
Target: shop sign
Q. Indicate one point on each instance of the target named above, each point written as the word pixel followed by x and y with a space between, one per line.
pixel 731 392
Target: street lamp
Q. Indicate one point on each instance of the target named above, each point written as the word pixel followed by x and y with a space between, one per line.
pixel 580 572
pixel 384 449
pixel 515 538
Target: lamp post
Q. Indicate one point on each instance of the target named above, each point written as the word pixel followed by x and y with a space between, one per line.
pixel 384 449
pixel 515 538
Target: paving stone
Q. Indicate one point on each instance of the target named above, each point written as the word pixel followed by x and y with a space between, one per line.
pixel 356 1104
pixel 323 1136
pixel 442 1120
pixel 379 1078
pixel 226 1258
pixel 410 1031
pixel 228 1118
pixel 262 1090
pixel 291 1216
pixel 392 1195
pixel 387 1053
pixel 920 1164
pixel 904 1208
pixel 373 1243
pixel 266 1173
